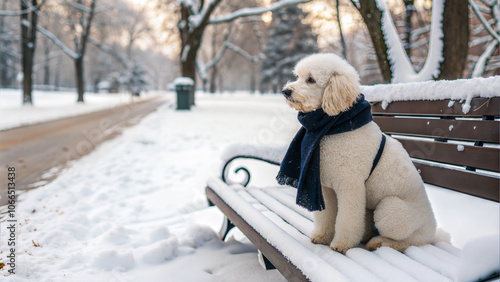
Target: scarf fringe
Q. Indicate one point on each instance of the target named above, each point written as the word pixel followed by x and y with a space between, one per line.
pixel 285 180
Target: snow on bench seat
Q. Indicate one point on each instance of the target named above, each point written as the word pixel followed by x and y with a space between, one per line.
pixel 272 213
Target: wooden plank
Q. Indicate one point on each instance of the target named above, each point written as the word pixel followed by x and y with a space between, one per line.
pixel 471 156
pixel 479 107
pixel 284 266
pixel 469 130
pixel 461 180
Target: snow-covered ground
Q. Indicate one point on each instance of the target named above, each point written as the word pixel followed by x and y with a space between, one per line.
pixel 50 105
pixel 135 208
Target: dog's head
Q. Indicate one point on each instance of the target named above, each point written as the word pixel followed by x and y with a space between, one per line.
pixel 323 81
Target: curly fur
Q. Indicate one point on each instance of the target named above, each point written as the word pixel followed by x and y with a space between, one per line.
pixel 392 198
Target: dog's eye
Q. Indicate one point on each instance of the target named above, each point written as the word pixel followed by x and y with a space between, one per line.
pixel 310 80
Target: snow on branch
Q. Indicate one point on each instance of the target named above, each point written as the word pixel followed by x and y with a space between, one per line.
pixel 243 53
pixel 202 70
pixel 84 8
pixel 198 18
pixel 58 43
pixel 401 66
pixel 483 20
pixel 78 6
pixel 480 65
pixel 493 38
pixel 22 12
pixel 190 5
pixel 227 44
pixel 246 12
pixel 110 51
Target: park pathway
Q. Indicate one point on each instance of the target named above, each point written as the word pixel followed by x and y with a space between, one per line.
pixel 38 152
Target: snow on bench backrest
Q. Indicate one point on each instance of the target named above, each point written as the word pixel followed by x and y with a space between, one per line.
pixel 461 89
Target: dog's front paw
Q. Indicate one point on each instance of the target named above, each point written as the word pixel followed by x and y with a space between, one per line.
pixel 339 248
pixel 321 238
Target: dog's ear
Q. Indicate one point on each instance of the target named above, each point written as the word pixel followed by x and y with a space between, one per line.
pixel 340 93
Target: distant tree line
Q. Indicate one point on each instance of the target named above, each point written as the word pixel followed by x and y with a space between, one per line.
pixel 231 45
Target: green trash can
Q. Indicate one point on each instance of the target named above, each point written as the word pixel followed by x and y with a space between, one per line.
pixel 183 87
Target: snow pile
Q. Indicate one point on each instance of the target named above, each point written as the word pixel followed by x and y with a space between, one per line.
pixel 53 105
pixel 461 89
pixel 135 209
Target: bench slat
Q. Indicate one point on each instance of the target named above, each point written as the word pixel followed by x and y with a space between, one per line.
pixel 381 268
pixel 289 201
pixel 469 130
pixel 414 269
pixel 287 269
pixel 479 107
pixel 471 156
pixel 302 224
pixel 353 271
pixel 471 183
pixel 443 267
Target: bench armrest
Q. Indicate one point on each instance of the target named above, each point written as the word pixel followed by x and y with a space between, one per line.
pixel 269 154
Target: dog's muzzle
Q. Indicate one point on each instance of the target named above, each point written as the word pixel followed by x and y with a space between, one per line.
pixel 286 92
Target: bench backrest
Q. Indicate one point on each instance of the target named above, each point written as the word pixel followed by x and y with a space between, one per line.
pixel 450 148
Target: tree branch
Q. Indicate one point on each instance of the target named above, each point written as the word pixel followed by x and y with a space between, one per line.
pixel 110 51
pixel 246 12
pixel 86 32
pixel 22 12
pixel 480 65
pixel 483 20
pixel 58 42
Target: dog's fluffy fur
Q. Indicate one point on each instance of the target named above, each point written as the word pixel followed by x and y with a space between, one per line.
pixel 392 197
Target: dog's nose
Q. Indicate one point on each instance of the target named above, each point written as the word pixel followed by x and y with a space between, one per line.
pixel 286 92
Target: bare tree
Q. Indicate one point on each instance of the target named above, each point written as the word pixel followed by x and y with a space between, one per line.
pixel 372 16
pixel 79 18
pixel 448 59
pixel 195 17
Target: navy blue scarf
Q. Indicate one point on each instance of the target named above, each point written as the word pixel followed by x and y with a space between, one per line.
pixel 300 166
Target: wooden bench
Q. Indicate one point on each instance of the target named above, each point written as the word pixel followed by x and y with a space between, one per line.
pixel 451 149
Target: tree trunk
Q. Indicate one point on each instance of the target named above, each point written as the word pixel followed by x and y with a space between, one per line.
pixel 372 16
pixel 455 39
pixel 191 40
pixel 213 78
pixel 253 80
pixel 46 67
pixel 80 74
pixel 4 79
pixel 189 70
pixel 57 77
pixel 188 57
pixel 79 78
pixel 28 45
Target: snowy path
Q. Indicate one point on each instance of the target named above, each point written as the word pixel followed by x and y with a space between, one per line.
pixel 41 147
pixel 49 105
pixel 135 208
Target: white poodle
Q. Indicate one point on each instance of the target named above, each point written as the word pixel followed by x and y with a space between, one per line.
pixel 392 197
